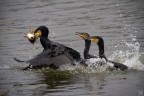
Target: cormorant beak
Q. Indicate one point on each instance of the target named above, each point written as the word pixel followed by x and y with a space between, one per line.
pixel 82 35
pixel 32 37
pixel 93 39
pixel 78 33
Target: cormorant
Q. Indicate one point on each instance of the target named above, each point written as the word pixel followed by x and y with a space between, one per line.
pixel 54 54
pixel 84 36
pixel 100 42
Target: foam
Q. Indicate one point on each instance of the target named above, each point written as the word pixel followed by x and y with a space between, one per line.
pixel 131 56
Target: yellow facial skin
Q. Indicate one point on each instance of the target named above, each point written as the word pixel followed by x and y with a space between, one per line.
pixel 82 35
pixel 95 40
pixel 38 34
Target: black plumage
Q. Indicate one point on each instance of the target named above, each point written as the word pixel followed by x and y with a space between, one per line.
pixel 54 54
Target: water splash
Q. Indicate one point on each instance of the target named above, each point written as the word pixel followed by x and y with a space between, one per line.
pixel 95 65
pixel 131 56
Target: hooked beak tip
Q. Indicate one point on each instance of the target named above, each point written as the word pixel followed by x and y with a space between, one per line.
pixel 77 33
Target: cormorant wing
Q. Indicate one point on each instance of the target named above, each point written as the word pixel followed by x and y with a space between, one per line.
pixel 47 58
pixel 56 54
pixel 60 49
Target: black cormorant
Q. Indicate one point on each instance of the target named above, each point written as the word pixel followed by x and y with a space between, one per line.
pixel 100 42
pixel 54 54
pixel 84 36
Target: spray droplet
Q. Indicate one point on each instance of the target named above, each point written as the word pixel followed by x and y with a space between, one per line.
pixel 136 31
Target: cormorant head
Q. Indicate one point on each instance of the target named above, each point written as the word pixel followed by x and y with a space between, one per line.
pixel 41 31
pixel 83 35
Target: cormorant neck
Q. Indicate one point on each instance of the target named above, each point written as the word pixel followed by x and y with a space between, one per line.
pixel 87 47
pixel 101 49
pixel 44 36
pixel 45 43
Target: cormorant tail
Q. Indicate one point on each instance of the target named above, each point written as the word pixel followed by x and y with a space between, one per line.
pixel 18 60
pixel 119 65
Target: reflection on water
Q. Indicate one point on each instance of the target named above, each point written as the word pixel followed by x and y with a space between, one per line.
pixel 56 79
pixel 71 83
pixel 119 22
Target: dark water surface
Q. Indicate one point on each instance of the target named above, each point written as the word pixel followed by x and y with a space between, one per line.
pixel 119 22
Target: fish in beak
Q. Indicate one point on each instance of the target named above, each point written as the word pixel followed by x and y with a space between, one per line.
pixel 32 37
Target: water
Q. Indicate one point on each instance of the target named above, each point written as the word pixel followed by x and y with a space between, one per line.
pixel 119 22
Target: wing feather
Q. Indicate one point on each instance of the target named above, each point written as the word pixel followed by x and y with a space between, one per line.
pixel 46 58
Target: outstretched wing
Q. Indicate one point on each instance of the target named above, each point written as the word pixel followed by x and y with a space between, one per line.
pixel 56 55
pixel 60 49
pixel 73 54
pixel 47 58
